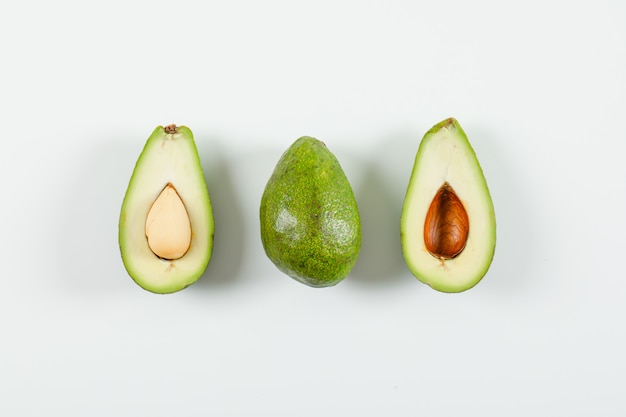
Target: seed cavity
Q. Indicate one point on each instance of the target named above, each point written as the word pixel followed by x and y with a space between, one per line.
pixel 447 225
pixel 168 228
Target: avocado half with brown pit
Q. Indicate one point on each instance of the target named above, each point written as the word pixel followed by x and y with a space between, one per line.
pixel 166 221
pixel 448 225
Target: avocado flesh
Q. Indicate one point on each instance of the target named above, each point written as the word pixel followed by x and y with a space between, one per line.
pixel 310 224
pixel 446 156
pixel 169 157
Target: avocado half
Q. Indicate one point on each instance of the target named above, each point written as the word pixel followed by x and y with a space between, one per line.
pixel 166 221
pixel 448 225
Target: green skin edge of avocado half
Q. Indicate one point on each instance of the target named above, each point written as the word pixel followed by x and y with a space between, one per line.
pixel 444 287
pixel 310 224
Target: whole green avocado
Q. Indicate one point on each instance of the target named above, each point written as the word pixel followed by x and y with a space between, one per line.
pixel 310 224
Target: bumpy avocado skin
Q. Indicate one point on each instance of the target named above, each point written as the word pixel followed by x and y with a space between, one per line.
pixel 310 224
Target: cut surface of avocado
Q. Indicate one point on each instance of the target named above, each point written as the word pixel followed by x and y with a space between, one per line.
pixel 310 224
pixel 166 221
pixel 448 226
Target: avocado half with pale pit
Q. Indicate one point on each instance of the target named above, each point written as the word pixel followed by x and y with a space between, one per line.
pixel 448 225
pixel 166 222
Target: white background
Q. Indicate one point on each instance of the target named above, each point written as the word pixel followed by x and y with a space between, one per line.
pixel 538 86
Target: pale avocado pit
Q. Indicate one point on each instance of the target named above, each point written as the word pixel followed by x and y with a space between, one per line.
pixel 166 221
pixel 448 226
pixel 168 229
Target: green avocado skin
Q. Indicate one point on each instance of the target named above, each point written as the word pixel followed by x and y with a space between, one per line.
pixel 310 224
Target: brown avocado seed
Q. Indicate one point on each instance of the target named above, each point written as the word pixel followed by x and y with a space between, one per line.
pixel 446 226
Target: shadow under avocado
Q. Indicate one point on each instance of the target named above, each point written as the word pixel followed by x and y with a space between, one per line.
pixel 515 252
pixel 228 245
pixel 380 197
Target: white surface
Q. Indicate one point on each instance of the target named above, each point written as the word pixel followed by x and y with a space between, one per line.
pixel 539 88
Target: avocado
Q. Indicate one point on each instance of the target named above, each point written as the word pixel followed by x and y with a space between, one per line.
pixel 166 221
pixel 448 225
pixel 310 224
